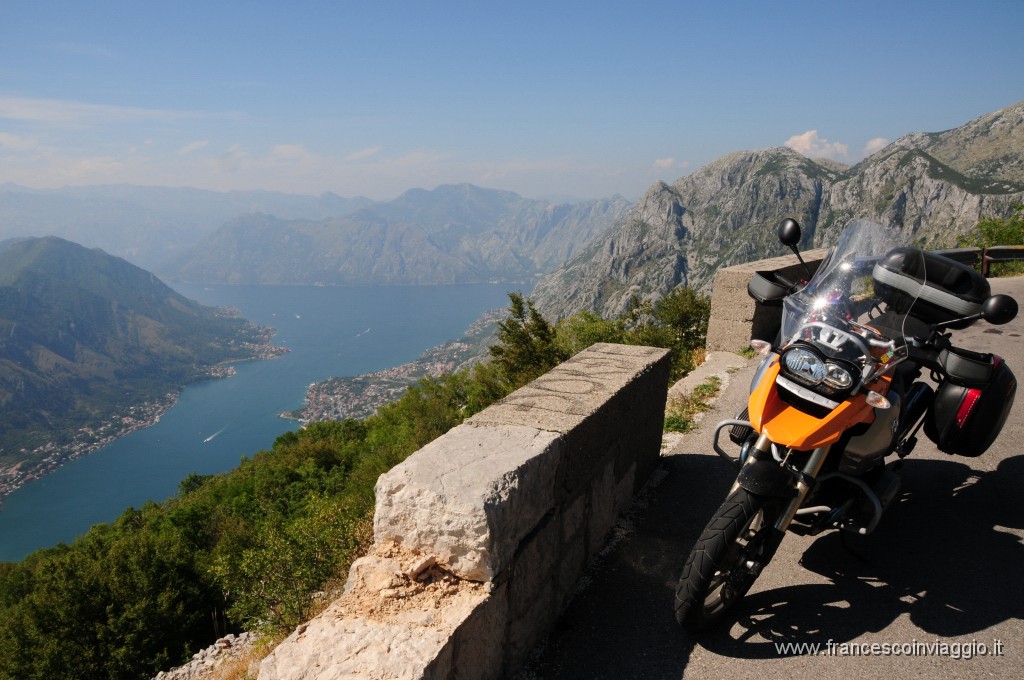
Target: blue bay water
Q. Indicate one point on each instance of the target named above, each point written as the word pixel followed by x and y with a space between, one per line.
pixel 331 331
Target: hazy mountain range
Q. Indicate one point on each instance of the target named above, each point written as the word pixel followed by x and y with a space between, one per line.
pixel 452 234
pixel 146 225
pixel 460 233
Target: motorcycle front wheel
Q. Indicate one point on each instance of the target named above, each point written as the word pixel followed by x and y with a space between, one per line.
pixel 726 560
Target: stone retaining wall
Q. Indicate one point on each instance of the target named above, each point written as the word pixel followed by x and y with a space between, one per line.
pixel 481 536
pixel 735 317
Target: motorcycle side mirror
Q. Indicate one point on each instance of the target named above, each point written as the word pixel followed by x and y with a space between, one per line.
pixel 996 309
pixel 789 233
pixel 999 309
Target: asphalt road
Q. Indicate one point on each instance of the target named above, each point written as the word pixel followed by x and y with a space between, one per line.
pixel 939 578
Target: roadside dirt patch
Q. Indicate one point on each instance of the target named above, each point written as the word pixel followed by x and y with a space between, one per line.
pixel 393 584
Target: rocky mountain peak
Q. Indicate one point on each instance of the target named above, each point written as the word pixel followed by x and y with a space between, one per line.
pixel 988 147
pixel 932 186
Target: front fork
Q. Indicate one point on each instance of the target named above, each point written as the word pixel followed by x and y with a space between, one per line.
pixel 804 480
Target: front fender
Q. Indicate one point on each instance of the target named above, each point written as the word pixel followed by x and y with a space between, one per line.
pixel 767 478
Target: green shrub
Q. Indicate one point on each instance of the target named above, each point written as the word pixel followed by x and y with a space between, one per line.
pixel 998 231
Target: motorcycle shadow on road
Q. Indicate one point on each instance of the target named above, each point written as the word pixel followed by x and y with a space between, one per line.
pixel 945 555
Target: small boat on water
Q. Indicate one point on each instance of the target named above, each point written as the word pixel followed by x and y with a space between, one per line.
pixel 211 437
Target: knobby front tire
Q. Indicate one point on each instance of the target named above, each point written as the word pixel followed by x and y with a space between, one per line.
pixel 717 573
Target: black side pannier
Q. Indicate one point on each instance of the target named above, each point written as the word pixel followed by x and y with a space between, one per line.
pixel 765 287
pixel 965 420
pixel 953 290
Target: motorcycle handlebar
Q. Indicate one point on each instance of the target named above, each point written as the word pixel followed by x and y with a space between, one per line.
pixel 792 286
pixel 926 356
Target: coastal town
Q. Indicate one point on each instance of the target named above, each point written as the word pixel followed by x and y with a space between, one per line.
pixel 51 455
pixel 46 458
pixel 360 396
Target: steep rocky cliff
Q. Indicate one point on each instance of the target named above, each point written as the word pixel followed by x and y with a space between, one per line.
pixel 932 186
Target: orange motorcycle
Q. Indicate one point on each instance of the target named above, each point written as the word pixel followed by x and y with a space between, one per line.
pixel 840 390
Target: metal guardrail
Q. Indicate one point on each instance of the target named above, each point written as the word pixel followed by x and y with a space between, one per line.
pixel 984 257
pixel 969 256
pixel 1000 254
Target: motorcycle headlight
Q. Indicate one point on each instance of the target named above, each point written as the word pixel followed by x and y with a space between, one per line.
pixel 838 377
pixel 804 366
pixel 809 368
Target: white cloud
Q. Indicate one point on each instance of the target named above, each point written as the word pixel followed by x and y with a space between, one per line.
pixel 223 165
pixel 813 146
pixel 291 153
pixel 61 111
pixel 231 160
pixel 189 148
pixel 361 154
pixel 47 167
pixel 416 158
pixel 664 163
pixel 874 145
pixel 79 169
pixel 494 175
pixel 16 142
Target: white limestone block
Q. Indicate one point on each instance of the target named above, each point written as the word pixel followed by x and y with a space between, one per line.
pixel 470 496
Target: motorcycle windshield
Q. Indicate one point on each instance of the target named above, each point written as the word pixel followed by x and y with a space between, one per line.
pixel 847 327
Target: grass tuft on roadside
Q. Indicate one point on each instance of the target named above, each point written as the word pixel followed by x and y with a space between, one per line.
pixel 681 412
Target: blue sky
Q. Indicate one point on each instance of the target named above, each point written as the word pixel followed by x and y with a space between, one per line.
pixel 583 99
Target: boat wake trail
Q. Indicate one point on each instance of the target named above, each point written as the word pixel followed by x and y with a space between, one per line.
pixel 211 437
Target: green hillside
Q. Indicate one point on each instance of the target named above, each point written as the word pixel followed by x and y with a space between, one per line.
pixel 85 335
